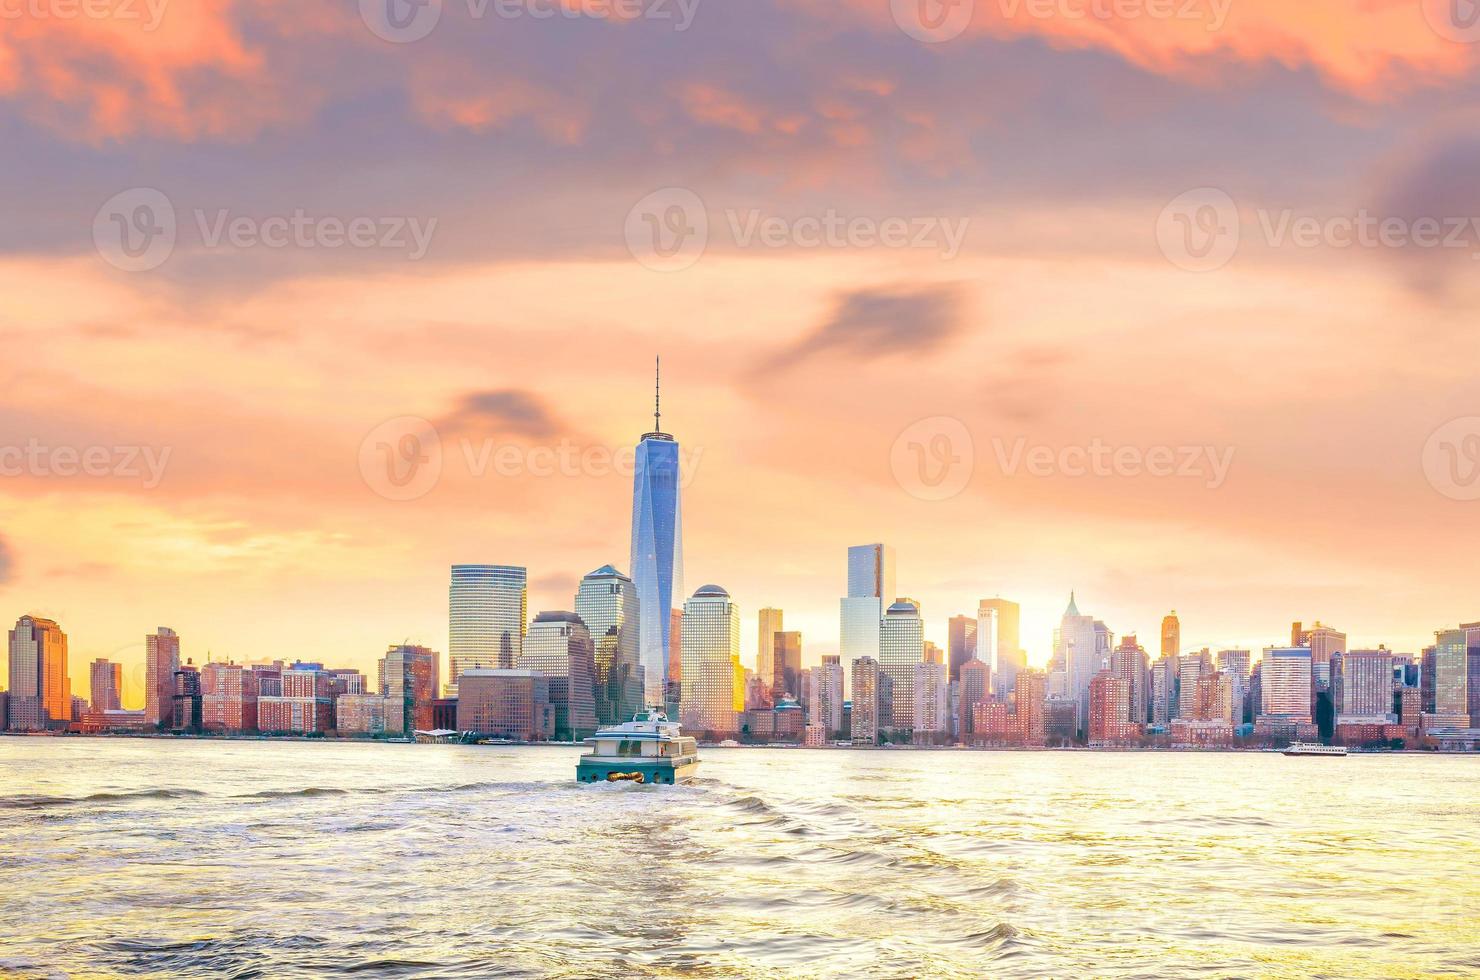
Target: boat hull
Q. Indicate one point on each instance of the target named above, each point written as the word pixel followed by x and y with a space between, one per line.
pixel 661 772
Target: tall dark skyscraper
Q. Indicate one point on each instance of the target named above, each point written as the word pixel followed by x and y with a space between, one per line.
pixel 657 550
pixel 962 643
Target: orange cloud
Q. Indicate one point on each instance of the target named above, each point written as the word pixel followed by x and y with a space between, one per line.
pixel 1367 48
pixel 136 70
pixel 471 96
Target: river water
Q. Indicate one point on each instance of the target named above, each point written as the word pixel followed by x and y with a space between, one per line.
pixel 161 858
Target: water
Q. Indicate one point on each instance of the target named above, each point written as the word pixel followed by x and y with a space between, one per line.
pixel 159 858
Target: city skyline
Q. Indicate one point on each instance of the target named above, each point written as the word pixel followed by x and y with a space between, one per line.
pixel 661 476
pixel 1078 670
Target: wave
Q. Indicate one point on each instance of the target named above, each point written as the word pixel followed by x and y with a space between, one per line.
pixel 32 802
pixel 307 791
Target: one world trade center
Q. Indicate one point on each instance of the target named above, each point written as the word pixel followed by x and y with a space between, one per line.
pixel 657 555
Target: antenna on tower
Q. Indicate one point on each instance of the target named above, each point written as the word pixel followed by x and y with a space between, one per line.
pixel 657 395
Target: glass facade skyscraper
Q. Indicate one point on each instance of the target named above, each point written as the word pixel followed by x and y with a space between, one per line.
pixel 901 647
pixel 657 552
pixel 713 681
pixel 488 608
pixel 606 601
pixel 1451 670
pixel 871 571
pixel 961 643
pixel 408 679
pixel 559 647
pixel 1077 647
pixel 870 591
pixel 771 621
pixel 1008 655
pixel 40 689
pixel 1284 683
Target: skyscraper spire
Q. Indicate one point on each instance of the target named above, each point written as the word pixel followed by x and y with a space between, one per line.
pixel 657 395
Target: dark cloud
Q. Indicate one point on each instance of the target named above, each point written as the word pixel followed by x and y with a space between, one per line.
pixel 872 323
pixel 1439 184
pixel 505 411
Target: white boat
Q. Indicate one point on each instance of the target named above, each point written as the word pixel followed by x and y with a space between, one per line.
pixel 1312 748
pixel 643 750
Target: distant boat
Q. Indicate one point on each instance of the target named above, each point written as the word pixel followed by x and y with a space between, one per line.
pixel 1311 748
pixel 643 750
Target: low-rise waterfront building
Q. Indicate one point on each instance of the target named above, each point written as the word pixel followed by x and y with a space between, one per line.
pixel 507 704
pixel 368 714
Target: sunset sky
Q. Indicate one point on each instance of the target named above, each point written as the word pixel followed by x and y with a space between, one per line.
pixel 533 151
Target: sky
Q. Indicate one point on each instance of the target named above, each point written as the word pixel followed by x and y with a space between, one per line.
pixel 1167 302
